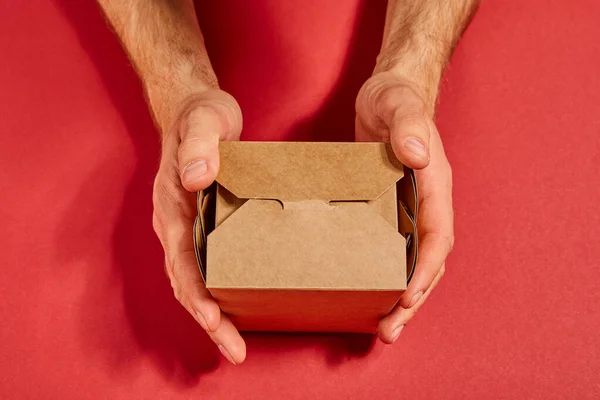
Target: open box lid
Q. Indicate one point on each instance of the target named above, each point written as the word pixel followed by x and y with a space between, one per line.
pixel 310 176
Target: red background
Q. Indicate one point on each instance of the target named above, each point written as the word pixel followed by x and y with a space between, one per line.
pixel 86 311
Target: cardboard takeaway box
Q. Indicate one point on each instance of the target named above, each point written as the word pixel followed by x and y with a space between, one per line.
pixel 317 237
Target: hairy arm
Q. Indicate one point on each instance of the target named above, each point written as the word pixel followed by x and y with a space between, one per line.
pixel 165 44
pixel 419 37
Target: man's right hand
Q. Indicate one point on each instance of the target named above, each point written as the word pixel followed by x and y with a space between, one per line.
pixel 189 163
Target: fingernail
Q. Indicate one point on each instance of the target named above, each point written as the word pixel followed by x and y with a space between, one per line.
pixel 202 321
pixel 416 147
pixel 414 299
pixel 226 354
pixel 397 333
pixel 194 171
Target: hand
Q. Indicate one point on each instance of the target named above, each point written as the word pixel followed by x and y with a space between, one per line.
pixel 390 109
pixel 190 162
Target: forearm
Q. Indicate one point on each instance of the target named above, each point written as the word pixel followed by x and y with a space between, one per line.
pixel 166 47
pixel 419 38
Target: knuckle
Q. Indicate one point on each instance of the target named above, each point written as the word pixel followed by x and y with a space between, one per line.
pixel 407 121
pixel 411 112
pixel 206 111
pixel 221 115
pixel 190 148
pixel 170 202
pixel 387 100
pixel 410 117
pixel 401 100
pixel 367 94
pixel 166 196
pixel 160 192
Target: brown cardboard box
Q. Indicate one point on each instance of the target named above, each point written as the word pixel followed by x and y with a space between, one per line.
pixel 307 236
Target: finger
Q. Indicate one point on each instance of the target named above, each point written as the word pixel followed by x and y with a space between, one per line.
pixel 182 268
pixel 197 300
pixel 404 114
pixel 204 125
pixel 172 222
pixel 392 325
pixel 189 289
pixel 229 341
pixel 435 226
pixel 433 250
pixel 409 135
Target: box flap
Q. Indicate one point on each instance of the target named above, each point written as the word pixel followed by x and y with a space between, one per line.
pixel 347 246
pixel 387 206
pixel 295 171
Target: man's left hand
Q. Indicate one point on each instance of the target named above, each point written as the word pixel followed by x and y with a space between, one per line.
pixel 390 108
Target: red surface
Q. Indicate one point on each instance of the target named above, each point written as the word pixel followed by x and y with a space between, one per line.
pixel 86 311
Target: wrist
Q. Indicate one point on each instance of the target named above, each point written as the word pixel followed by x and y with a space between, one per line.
pixel 418 39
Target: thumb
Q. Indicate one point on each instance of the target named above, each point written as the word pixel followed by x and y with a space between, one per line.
pixel 410 127
pixel 200 132
pixel 394 111
pixel 409 135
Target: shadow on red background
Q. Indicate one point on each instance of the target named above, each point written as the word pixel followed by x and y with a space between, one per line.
pixel 160 327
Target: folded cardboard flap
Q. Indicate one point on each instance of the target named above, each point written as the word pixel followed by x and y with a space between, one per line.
pixel 387 206
pixel 262 245
pixel 307 171
pixel 312 218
